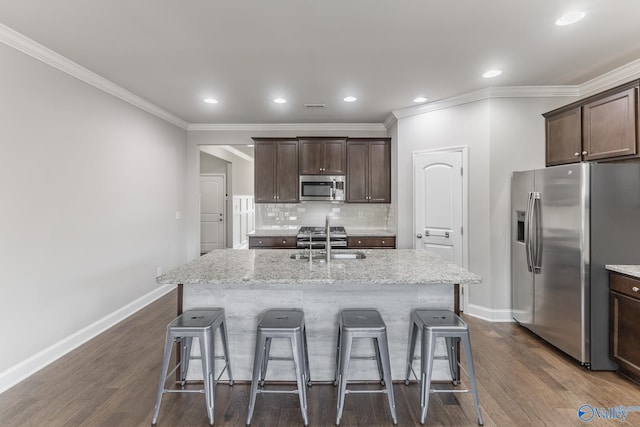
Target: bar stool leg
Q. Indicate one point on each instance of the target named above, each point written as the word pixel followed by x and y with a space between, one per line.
pixel 413 334
pixel 428 351
pixel 345 354
pixel 225 349
pixel 383 350
pixel 206 343
pixel 466 345
pixel 257 365
pixel 298 360
pixel 452 356
pixel 185 357
pixel 168 346
pixel 376 349
pixel 306 358
pixel 338 368
pixel 265 360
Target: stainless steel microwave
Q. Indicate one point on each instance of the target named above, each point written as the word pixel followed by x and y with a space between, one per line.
pixel 322 187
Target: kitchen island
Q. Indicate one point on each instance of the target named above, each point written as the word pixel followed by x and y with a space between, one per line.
pixel 248 282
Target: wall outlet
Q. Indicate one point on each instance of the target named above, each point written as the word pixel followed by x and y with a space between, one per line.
pixel 360 214
pixel 178 215
pixel 158 271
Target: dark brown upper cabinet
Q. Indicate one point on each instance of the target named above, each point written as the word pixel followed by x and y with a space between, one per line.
pixel 368 170
pixel 276 170
pixel 601 127
pixel 322 156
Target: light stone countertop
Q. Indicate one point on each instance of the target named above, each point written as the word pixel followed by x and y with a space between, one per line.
pixel 629 270
pixel 274 232
pixel 373 232
pixel 240 268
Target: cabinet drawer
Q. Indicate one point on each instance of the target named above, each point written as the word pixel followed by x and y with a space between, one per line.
pixel 272 242
pixel 371 242
pixel 625 285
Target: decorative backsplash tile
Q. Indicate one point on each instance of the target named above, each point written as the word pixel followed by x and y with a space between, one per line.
pixel 356 215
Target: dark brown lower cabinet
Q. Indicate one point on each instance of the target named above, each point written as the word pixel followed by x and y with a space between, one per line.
pixel 624 324
pixel 272 242
pixel 369 242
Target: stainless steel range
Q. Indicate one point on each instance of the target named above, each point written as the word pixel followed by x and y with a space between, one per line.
pixel 316 237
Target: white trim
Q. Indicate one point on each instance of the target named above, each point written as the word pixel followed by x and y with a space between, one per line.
pixel 491 315
pixel 36 50
pixel 24 369
pixel 300 127
pixel 612 78
pixel 236 152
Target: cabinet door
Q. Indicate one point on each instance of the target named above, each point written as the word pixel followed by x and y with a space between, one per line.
pixel 287 172
pixel 564 137
pixel 311 157
pixel 610 126
pixel 265 171
pixel 335 154
pixel 625 333
pixel 357 171
pixel 379 172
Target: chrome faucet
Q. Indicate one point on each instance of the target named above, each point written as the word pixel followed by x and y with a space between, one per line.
pixel 328 233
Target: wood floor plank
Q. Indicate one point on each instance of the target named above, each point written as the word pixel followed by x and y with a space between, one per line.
pixel 111 381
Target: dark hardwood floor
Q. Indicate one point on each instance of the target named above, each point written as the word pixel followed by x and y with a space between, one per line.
pixel 111 381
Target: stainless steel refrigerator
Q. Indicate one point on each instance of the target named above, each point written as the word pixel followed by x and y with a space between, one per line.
pixel 567 222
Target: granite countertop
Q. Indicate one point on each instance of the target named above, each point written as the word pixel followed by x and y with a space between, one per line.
pixel 269 267
pixel 274 232
pixel 365 232
pixel 629 270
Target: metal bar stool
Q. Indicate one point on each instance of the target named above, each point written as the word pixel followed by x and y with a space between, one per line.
pixel 440 324
pixel 362 323
pixel 198 323
pixel 281 323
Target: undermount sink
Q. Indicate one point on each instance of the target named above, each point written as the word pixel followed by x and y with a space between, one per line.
pixel 321 256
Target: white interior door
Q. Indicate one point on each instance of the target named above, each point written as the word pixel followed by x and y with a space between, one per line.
pixel 212 218
pixel 439 204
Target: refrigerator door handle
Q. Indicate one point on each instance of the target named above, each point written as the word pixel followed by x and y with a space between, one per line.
pixel 527 231
pixel 537 233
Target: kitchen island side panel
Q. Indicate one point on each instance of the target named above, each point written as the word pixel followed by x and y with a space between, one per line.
pixel 321 306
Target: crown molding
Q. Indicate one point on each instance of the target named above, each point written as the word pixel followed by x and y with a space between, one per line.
pixel 488 93
pixel 29 47
pixel 612 78
pixel 298 127
pixel 37 51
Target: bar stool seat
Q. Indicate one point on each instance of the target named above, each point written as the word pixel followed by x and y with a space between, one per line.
pixel 281 323
pixel 198 323
pixel 435 324
pixel 362 323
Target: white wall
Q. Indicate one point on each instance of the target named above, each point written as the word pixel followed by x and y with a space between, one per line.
pixel 502 135
pixel 90 186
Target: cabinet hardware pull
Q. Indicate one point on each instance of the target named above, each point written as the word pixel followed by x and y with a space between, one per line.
pixel 359 242
pixel 260 241
pixel 635 289
pixel 284 242
pixel 576 154
pixel 584 153
pixel 383 242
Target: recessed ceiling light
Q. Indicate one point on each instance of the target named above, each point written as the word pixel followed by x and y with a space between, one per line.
pixel 420 99
pixel 280 101
pixel 571 17
pixel 492 73
pixel 350 99
pixel 210 101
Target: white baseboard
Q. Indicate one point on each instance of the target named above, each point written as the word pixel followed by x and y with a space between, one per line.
pixel 492 315
pixel 24 369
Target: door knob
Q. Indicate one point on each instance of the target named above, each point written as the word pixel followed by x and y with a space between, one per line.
pixel 419 236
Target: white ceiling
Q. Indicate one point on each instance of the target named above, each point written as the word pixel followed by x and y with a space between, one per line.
pixel 245 53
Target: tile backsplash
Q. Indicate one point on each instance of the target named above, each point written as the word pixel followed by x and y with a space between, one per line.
pixel 353 215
